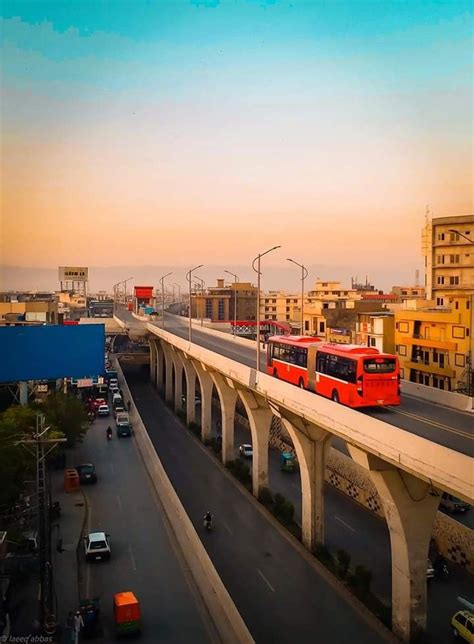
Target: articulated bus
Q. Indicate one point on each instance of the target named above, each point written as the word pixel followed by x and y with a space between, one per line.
pixel 350 374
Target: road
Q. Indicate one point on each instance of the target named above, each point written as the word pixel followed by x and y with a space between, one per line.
pixel 349 526
pixel 277 590
pixel 144 559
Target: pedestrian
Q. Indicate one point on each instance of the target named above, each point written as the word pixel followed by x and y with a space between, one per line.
pixel 78 624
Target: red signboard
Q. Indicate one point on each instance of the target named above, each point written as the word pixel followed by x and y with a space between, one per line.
pixel 143 292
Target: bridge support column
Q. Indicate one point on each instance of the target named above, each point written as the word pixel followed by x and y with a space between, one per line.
pixel 159 366
pixel 260 419
pixel 227 398
pixel 169 374
pixel 206 384
pixel 190 373
pixel 410 506
pixel 178 381
pixel 311 445
pixel 153 362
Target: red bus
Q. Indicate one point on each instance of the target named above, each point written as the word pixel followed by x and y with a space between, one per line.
pixel 353 375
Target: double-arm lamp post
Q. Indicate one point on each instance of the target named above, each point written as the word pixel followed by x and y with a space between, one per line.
pixel 162 280
pixel 304 275
pixel 189 278
pixel 235 298
pixel 257 270
pixel 124 282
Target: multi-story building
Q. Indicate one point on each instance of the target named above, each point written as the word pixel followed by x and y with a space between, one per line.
pixel 280 306
pixel 376 329
pixel 332 294
pixel 223 303
pixel 409 292
pixel 435 344
pixel 448 249
pixel 28 307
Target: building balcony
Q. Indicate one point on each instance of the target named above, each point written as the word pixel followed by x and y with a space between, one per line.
pixel 432 368
pixel 427 343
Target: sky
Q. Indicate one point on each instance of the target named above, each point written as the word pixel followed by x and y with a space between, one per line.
pixel 174 133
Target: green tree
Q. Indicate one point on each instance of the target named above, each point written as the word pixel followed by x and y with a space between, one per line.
pixel 66 414
pixel 17 464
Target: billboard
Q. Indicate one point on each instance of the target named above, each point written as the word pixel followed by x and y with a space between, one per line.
pixel 73 273
pixel 51 352
pixel 143 292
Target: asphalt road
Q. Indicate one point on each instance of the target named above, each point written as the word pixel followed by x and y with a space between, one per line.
pixel 278 592
pixel 349 526
pixel 144 560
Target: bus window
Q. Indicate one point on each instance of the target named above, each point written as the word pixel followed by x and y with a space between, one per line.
pixel 379 365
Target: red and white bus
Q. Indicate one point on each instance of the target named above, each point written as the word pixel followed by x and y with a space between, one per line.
pixel 353 375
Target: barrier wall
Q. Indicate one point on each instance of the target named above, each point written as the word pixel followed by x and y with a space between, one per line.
pixel 438 396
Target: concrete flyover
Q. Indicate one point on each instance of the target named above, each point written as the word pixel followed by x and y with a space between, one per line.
pixel 406 469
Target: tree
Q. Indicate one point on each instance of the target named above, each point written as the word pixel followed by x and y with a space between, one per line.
pixel 66 414
pixel 16 463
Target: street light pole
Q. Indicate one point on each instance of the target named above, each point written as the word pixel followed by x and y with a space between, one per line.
pixel 304 275
pixel 162 280
pixel 201 284
pixel 235 298
pixel 453 230
pixel 257 270
pixel 189 278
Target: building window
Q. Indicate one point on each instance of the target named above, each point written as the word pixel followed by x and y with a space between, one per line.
pixel 459 332
pixel 440 236
pixel 454 280
pixel 459 360
pixel 440 279
pixel 372 342
pixel 306 325
pixel 439 301
pixel 208 308
pixel 402 350
pixel 440 259
pixel 403 327
pixel 220 310
pixel 454 237
pixel 456 305
pixel 402 373
pixel 454 259
pixel 321 327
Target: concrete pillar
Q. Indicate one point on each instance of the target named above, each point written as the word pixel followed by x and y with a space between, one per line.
pixel 178 380
pixel 169 373
pixel 160 366
pixel 260 419
pixel 206 384
pixel 227 399
pixel 410 506
pixel 153 361
pixel 190 373
pixel 311 445
pixel 23 386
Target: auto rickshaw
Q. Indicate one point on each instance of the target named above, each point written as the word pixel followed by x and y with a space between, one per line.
pixel 288 462
pixel 127 616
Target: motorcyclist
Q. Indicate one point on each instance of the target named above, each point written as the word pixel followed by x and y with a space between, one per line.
pixel 208 519
pixel 109 432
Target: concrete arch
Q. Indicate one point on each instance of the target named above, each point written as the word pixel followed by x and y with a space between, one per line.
pixel 168 372
pixel 260 419
pixel 206 383
pixel 227 398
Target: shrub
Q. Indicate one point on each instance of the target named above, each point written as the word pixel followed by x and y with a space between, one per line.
pixel 361 580
pixel 325 557
pixel 343 560
pixel 194 428
pixel 265 497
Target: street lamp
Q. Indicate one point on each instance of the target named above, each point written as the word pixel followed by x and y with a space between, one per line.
pixel 124 282
pixel 189 278
pixel 304 275
pixel 162 279
pixel 257 270
pixel 235 298
pixel 453 230
pixel 201 283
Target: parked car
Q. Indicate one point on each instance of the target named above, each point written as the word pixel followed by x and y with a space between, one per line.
pixel 97 546
pixel 463 625
pixel 451 503
pixel 118 410
pixel 197 399
pixel 87 473
pixel 103 410
pixel 246 450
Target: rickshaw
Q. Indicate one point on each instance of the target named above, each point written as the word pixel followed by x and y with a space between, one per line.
pixel 288 462
pixel 127 615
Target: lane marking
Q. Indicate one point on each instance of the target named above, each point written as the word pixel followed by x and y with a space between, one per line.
pixel 132 558
pixel 265 580
pixel 349 527
pixel 119 503
pixel 433 423
pixel 227 527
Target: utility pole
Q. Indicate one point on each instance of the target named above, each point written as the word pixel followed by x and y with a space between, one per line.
pixel 235 299
pixel 40 442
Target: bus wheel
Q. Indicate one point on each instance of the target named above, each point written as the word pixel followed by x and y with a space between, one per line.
pixel 335 396
pixel 301 384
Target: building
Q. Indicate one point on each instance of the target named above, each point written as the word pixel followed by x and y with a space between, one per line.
pixel 448 249
pixel 333 295
pixel 224 303
pixel 40 308
pixel 376 329
pixel 435 344
pixel 409 292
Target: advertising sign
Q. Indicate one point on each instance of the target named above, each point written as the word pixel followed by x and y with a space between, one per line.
pixel 50 352
pixel 73 274
pixel 143 292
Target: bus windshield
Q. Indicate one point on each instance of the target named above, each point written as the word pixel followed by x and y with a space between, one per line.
pixel 379 365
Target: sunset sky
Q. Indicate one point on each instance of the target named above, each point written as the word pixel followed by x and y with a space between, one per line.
pixel 155 132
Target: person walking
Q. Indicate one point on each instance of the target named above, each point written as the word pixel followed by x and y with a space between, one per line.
pixel 78 624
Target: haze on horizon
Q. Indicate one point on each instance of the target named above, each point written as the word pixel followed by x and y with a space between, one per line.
pixel 187 132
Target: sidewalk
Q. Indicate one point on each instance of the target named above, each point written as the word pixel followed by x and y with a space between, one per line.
pixel 66 533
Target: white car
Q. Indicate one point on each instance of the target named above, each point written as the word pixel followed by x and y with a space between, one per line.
pixel 103 410
pixel 246 450
pixel 97 546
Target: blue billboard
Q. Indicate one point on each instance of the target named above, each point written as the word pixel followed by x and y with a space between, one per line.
pixel 50 352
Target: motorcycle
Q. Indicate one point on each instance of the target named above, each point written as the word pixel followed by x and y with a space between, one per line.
pixel 109 434
pixel 208 523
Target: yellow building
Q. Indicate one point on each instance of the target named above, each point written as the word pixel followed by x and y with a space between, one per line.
pixel 12 309
pixel 222 303
pixel 448 249
pixel 376 329
pixel 409 292
pixel 435 344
